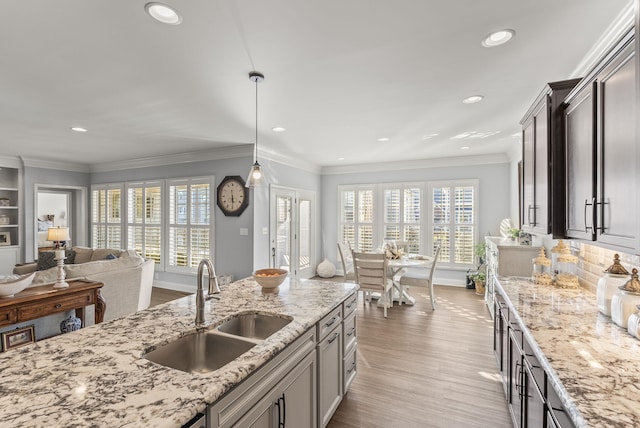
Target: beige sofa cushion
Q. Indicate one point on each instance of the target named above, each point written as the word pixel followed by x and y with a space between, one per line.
pixel 102 253
pixel 128 259
pixel 45 276
pixel 83 254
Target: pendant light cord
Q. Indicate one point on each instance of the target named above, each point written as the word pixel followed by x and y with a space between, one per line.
pixel 256 81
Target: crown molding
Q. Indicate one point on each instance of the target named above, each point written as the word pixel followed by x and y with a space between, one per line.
pixel 59 165
pixel 10 162
pixel 290 161
pixel 447 162
pixel 621 25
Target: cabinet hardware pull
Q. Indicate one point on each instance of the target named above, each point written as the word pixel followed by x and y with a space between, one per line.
pixel 587 204
pixel 601 228
pixel 335 336
pixel 353 366
pixel 353 330
pixel 531 207
pixel 330 323
pixel 58 306
pixel 350 304
pixel 284 411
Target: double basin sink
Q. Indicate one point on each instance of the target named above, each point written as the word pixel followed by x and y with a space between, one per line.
pixel 209 350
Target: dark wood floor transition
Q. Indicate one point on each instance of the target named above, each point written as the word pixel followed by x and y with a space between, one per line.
pixel 421 368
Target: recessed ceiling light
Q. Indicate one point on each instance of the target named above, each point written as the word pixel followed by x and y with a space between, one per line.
pixel 517 135
pixel 473 99
pixel 340 159
pixel 428 136
pixel 383 139
pixel 464 148
pixel 78 129
pixel 278 129
pixel 163 13
pixel 498 38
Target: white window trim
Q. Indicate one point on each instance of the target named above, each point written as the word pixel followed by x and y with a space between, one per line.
pixel 358 187
pixel 144 185
pixel 107 187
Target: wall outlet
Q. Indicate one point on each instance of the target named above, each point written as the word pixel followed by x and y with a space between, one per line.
pixel 224 280
pixel 244 231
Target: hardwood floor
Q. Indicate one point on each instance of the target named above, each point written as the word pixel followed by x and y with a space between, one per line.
pixel 424 368
pixel 162 295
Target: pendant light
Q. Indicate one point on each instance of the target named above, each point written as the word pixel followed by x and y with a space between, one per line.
pixel 256 178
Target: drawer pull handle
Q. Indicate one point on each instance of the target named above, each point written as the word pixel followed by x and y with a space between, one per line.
pixel 350 304
pixel 333 339
pixel 330 323
pixel 353 366
pixel 353 330
pixel 58 306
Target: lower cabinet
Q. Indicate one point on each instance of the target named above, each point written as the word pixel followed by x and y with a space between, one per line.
pixel 330 358
pixel 531 397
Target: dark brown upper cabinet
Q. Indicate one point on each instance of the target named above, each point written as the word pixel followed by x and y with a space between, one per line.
pixel 543 160
pixel 600 118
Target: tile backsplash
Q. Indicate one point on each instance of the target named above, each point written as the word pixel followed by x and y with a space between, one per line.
pixel 594 260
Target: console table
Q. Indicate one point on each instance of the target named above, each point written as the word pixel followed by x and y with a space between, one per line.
pixel 43 300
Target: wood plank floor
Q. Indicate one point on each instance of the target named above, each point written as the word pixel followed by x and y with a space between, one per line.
pixel 420 368
pixel 424 368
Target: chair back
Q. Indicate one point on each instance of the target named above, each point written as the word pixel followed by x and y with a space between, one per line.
pixel 347 262
pixel 370 270
pixel 435 260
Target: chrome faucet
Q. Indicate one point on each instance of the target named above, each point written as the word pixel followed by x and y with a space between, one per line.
pixel 214 288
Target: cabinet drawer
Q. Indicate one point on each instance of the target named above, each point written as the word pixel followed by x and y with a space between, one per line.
pixel 349 333
pixel 329 322
pixel 350 304
pixel 350 368
pixel 534 365
pixel 8 316
pixel 556 408
pixel 40 309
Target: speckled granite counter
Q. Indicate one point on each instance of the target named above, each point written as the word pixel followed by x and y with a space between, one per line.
pixel 96 376
pixel 593 364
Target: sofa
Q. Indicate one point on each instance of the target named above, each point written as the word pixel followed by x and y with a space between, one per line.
pixel 127 277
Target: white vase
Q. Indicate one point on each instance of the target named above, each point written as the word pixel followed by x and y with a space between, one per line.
pixel 608 285
pixel 326 269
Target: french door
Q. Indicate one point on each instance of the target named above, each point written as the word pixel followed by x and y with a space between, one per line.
pixel 292 237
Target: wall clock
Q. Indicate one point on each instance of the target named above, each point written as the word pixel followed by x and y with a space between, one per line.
pixel 233 197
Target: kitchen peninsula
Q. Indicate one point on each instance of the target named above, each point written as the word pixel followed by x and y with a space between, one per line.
pixel 563 362
pixel 97 376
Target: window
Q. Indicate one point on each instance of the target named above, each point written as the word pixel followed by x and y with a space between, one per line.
pixel 106 216
pixel 190 226
pixel 446 215
pixel 356 218
pixel 402 209
pixel 453 222
pixel 144 219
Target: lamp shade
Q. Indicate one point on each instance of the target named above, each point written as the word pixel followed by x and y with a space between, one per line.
pixel 58 234
pixel 255 178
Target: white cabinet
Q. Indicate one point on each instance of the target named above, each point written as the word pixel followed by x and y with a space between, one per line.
pixel 10 182
pixel 349 343
pixel 285 387
pixel 330 359
pixel 506 258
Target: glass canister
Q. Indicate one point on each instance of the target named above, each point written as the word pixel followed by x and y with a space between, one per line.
pixel 614 276
pixel 542 269
pixel 633 325
pixel 626 300
pixel 560 248
pixel 567 276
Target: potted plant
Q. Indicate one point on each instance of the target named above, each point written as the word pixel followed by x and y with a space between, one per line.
pixel 479 279
pixel 481 252
pixel 514 233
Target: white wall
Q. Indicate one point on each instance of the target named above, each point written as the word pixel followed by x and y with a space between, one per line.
pixel 56 204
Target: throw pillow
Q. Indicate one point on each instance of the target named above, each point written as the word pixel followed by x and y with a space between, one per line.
pixel 46 259
pixel 110 257
pixel 83 254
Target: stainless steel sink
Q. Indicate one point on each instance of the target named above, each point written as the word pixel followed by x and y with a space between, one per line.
pixel 254 326
pixel 200 352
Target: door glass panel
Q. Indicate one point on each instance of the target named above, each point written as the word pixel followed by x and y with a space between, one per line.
pixel 304 241
pixel 283 232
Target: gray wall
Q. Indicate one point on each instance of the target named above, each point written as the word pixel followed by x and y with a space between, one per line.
pixel 493 200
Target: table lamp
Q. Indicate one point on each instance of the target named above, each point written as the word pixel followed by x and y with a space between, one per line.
pixel 58 234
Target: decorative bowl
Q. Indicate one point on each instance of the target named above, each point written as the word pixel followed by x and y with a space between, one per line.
pixel 11 285
pixel 270 278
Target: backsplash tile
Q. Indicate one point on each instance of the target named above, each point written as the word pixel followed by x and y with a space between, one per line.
pixel 594 260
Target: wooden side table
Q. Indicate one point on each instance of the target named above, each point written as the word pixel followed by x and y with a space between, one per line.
pixel 43 300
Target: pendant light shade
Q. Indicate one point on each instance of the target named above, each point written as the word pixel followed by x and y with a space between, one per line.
pixel 256 177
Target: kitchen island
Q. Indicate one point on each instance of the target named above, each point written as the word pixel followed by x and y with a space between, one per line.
pixel 573 360
pixel 97 376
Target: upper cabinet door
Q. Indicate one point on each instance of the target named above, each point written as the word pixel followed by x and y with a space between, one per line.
pixel 579 118
pixel 541 168
pixel 528 166
pixel 617 151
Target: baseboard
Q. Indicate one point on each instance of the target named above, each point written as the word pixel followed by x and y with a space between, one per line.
pixel 450 282
pixel 185 288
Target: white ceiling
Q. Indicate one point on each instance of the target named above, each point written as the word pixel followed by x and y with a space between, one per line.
pixel 339 75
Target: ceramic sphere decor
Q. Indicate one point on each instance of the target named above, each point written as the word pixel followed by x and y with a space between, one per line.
pixel 270 278
pixel 326 269
pixel 70 324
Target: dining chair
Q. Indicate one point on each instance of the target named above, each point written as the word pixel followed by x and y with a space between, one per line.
pixel 371 275
pixel 347 263
pixel 415 278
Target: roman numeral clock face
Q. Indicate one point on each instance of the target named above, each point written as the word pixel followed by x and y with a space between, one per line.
pixel 233 197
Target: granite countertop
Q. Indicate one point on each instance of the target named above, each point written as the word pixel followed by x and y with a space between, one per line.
pixel 96 376
pixel 593 364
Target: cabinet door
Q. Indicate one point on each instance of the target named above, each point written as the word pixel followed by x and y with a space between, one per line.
pixel 329 375
pixel 617 151
pixel 528 178
pixel 516 379
pixel 541 168
pixel 534 404
pixel 580 164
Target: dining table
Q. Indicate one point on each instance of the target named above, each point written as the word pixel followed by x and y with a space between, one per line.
pixel 398 267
